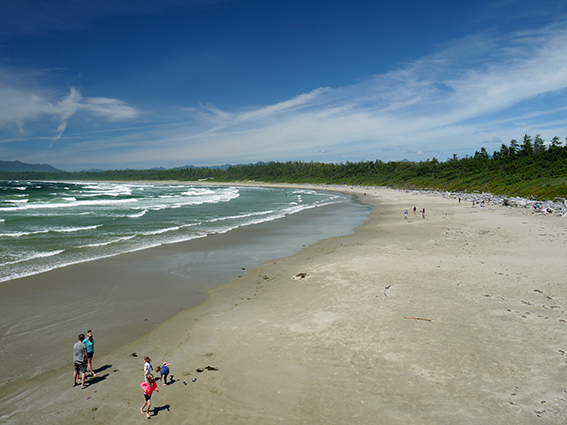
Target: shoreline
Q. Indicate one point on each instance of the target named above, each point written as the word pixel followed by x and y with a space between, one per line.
pixel 329 335
pixel 124 297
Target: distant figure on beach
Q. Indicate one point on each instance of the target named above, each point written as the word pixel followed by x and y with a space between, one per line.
pixel 80 361
pixel 423 213
pixel 89 343
pixel 414 208
pixel 147 366
pixel 164 372
pixel 459 200
pixel 406 214
pixel 149 386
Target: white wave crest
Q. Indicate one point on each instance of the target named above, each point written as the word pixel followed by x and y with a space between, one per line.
pixel 35 256
pixel 94 245
pixel 19 234
pixel 160 231
pixel 236 217
pixel 138 214
pixel 75 229
pixel 198 192
pixel 55 205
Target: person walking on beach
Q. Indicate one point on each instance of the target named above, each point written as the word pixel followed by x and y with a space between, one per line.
pixel 164 372
pixel 423 213
pixel 89 343
pixel 406 214
pixel 149 386
pixel 147 366
pixel 414 209
pixel 80 361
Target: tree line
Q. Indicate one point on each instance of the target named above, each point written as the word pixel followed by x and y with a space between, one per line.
pixel 528 168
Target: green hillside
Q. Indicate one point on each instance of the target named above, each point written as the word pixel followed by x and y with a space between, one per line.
pixel 530 168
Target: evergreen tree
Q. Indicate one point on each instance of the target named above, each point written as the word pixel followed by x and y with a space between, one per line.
pixel 539 143
pixel 514 147
pixel 527 147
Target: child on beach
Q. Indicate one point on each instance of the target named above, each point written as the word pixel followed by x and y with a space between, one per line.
pixel 147 366
pixel 164 372
pixel 149 386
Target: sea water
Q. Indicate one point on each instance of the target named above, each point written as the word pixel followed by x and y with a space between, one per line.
pixel 47 225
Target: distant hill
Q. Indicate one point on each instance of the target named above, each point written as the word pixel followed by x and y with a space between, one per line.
pixel 19 166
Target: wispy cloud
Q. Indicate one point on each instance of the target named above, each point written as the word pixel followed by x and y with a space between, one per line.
pixel 433 104
pixel 23 100
pixel 66 108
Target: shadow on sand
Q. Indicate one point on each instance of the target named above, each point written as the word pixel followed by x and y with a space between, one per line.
pixel 100 369
pixel 158 409
pixel 93 380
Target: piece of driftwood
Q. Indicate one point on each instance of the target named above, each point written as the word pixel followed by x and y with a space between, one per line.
pixel 417 318
pixel 206 368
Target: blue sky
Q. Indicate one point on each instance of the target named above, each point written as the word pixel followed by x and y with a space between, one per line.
pixel 141 84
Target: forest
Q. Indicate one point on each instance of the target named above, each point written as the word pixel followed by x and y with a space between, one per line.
pixel 530 168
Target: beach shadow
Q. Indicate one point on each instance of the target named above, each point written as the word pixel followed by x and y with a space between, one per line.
pixel 100 369
pixel 169 381
pixel 95 380
pixel 160 408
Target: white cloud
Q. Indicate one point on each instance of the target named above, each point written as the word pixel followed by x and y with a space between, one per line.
pixel 23 101
pixel 110 109
pixel 19 103
pixel 66 108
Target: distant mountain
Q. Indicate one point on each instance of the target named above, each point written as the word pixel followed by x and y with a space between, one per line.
pixel 19 166
pixel 93 170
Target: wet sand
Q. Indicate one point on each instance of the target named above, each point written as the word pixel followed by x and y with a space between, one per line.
pixel 458 318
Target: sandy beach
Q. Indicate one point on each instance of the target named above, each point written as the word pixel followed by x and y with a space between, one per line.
pixel 455 318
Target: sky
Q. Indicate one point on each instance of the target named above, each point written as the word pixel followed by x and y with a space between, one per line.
pixel 141 84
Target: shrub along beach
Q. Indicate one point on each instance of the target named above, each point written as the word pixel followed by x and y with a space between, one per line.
pixel 458 317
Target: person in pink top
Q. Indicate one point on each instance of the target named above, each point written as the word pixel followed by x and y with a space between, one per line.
pixel 149 386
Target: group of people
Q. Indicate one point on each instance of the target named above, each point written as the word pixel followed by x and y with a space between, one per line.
pixel 149 385
pixel 83 352
pixel 414 211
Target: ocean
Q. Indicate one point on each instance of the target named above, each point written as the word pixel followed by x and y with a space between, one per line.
pixel 47 225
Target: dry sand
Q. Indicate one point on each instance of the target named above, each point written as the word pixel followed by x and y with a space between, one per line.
pixel 333 335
